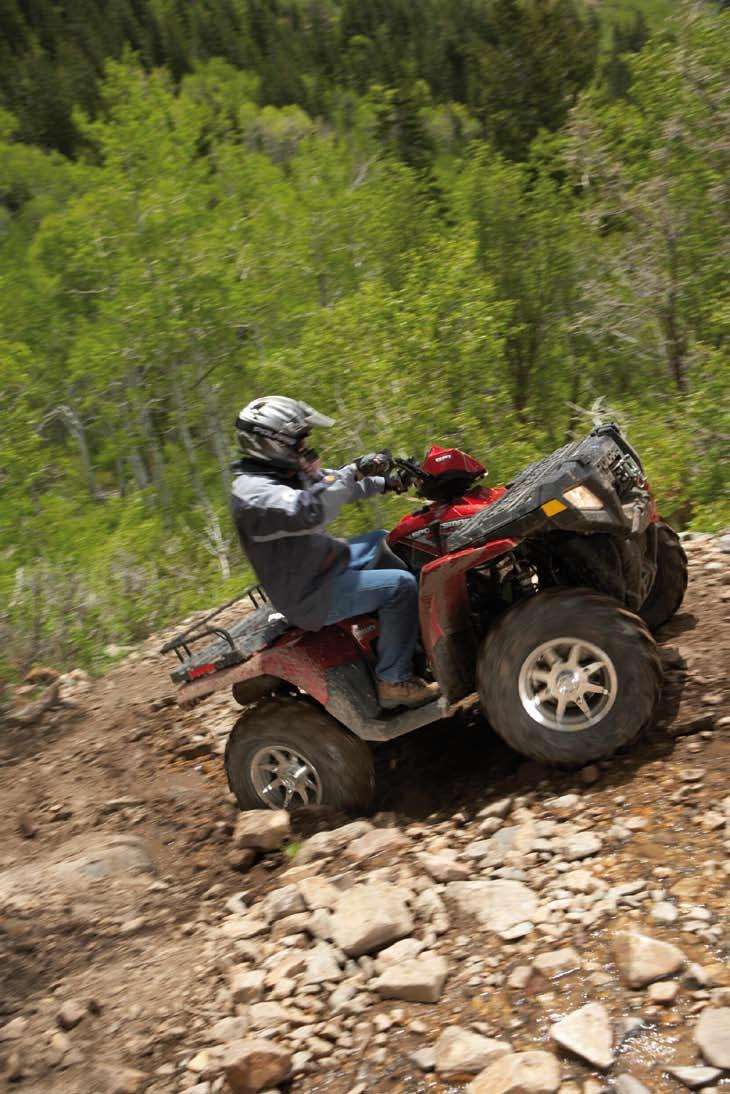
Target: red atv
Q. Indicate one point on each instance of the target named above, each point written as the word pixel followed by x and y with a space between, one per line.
pixel 536 601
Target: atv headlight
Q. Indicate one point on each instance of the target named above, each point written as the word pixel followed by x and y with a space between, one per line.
pixel 582 498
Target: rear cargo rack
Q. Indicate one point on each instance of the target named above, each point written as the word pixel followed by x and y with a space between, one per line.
pixel 180 645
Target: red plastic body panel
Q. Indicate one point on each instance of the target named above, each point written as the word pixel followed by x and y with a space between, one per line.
pixel 444 603
pixel 443 461
pixel 414 529
pixel 300 657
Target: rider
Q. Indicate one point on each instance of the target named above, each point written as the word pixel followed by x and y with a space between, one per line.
pixel 281 503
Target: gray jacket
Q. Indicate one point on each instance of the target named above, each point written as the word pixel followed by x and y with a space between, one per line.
pixel 280 519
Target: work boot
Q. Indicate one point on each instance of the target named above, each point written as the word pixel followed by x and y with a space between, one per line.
pixel 413 692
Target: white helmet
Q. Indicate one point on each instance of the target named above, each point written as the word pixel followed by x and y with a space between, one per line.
pixel 273 429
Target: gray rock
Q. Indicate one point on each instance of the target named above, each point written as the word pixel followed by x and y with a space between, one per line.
pixel 251 1066
pixel 557 962
pixel 499 808
pixel 695 1077
pixel 641 959
pixel 262 829
pixel 322 965
pixel 369 917
pixel 377 842
pixel 405 950
pixel 627 1084
pixel 664 913
pixel 324 844
pixel 247 985
pixel 587 1032
pixel 712 1035
pixel 423 1058
pixel 416 980
pixel 497 905
pixel 265 1016
pixel 519 1073
pixel 319 893
pixel 282 902
pixel 227 1029
pixel 458 1051
pixel 580 846
pixel 71 1013
pixel 443 869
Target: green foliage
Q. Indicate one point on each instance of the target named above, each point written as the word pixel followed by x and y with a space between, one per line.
pixel 378 225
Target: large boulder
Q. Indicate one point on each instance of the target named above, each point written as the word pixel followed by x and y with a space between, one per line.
pixel 369 917
pixel 496 905
pixel 642 959
pixel 519 1073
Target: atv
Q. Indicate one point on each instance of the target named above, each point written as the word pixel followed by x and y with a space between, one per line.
pixel 537 602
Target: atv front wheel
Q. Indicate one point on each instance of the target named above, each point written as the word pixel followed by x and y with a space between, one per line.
pixel 567 677
pixel 670 581
pixel 285 753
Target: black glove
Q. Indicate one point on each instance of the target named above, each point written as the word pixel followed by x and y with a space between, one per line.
pixel 399 480
pixel 375 463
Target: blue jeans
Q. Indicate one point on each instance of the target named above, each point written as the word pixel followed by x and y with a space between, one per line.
pixel 393 594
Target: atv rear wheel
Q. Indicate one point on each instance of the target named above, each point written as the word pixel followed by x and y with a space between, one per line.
pixel 670 581
pixel 285 753
pixel 567 677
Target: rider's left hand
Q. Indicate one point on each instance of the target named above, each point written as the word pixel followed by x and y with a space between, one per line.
pixel 375 463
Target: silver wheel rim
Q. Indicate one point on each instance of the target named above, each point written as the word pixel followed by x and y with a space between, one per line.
pixel 568 684
pixel 285 779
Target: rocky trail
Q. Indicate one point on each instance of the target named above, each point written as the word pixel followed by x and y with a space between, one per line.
pixel 495 928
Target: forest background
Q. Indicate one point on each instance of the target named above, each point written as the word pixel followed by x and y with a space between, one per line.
pixel 450 221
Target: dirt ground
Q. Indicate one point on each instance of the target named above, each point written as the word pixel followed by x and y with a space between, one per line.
pixel 117 831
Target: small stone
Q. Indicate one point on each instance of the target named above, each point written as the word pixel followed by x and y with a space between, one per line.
pixel 499 808
pixel 642 959
pixel 663 991
pixel 587 1032
pixel 319 893
pixel 695 1077
pixel 712 1035
pixel 27 826
pixel 251 1066
pixel 262 829
pixel 664 913
pixel 418 980
pixel 71 1013
pixel 423 1058
pixel 519 1073
pixel 241 859
pixel 282 902
pixel 228 1029
pixel 247 986
pixel 458 1051
pixel 520 977
pixel 127 1080
pixel 627 1084
pixel 14 1029
pixel 590 774
pixel 580 846
pixel 405 950
pixel 322 965
pixel 557 962
pixel 443 869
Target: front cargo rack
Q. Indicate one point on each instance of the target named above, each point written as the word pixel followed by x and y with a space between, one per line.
pixel 224 654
